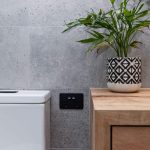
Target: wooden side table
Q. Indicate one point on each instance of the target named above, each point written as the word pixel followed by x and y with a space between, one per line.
pixel 120 121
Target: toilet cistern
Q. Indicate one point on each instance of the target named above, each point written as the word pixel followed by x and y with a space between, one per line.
pixel 24 120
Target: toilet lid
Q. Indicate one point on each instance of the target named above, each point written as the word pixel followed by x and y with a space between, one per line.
pixel 24 96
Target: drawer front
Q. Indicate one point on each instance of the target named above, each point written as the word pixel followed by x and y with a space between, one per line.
pixel 130 138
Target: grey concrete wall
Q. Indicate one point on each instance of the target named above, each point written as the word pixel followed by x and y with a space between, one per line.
pixel 34 54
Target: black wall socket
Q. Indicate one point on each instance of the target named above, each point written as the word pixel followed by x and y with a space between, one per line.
pixel 71 100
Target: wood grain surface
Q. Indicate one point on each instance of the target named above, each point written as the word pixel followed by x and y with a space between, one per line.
pixel 131 138
pixel 98 92
pixel 121 109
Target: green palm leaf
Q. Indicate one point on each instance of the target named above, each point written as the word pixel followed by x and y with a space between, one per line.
pixel 115 28
pixel 89 40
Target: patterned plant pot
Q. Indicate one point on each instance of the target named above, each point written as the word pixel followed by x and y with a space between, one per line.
pixel 124 74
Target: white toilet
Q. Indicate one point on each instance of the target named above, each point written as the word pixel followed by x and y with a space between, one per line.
pixel 24 120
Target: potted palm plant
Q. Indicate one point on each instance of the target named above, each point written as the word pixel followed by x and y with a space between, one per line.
pixel 117 28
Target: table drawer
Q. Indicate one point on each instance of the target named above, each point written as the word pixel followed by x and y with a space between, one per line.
pixel 130 137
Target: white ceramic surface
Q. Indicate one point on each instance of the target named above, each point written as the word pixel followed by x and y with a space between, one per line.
pixel 25 96
pixel 23 126
pixel 124 88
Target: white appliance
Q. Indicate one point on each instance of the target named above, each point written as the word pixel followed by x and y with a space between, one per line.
pixel 24 120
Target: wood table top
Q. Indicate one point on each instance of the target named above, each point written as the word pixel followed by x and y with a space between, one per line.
pixel 103 99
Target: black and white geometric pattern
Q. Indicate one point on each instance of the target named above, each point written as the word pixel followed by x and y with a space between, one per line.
pixel 124 70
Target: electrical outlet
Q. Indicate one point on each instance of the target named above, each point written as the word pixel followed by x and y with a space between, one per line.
pixel 71 100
